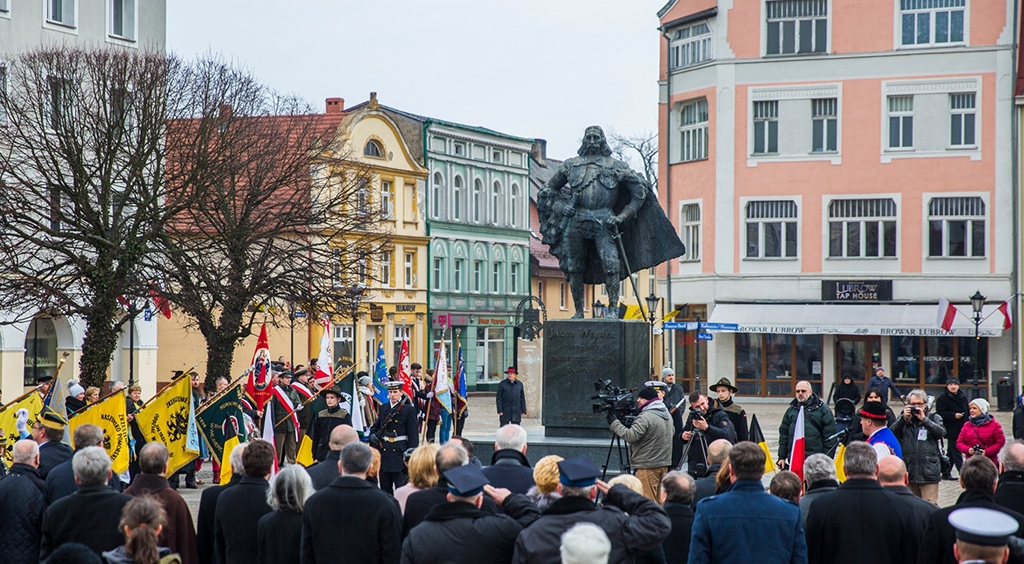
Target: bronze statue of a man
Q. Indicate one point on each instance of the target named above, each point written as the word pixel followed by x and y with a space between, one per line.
pixel 602 221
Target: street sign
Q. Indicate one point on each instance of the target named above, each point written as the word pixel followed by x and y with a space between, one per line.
pixel 679 325
pixel 299 314
pixel 719 327
pixel 705 337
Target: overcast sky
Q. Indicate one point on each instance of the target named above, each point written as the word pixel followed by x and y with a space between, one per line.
pixel 532 68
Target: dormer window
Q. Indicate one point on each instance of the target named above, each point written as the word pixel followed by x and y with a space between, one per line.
pixel 373 149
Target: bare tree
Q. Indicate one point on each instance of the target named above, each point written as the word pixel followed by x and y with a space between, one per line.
pixel 639 149
pixel 279 217
pixel 82 186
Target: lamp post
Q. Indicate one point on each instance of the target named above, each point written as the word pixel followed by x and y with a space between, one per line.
pixel 600 310
pixel 696 356
pixel 977 303
pixel 652 305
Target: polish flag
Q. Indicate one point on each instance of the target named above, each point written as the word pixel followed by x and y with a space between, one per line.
pixel 404 370
pixel 946 314
pixel 796 453
pixel 1004 308
pixel 325 362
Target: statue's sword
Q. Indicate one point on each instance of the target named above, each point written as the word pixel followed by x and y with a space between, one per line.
pixel 617 235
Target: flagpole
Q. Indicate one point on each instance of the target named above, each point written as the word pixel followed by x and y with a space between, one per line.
pixel 19 398
pixel 433 389
pixel 91 405
pixel 310 399
pixel 231 385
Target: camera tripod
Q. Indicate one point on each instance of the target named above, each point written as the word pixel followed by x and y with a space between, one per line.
pixel 701 439
pixel 624 466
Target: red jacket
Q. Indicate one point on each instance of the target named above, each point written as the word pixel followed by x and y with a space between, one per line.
pixel 988 434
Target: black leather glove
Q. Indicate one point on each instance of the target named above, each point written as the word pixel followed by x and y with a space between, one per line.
pixel 373 440
pixel 611 418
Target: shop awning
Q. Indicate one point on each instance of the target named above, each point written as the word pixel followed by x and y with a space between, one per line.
pixel 854 319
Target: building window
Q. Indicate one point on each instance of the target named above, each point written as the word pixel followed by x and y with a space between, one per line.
pixel 563 302
pixel 796 26
pixel 363 198
pixel 824 125
pixel 373 149
pixel 513 216
pixel 932 22
pixel 771 229
pixel 478 276
pixel 864 228
pixel 690 46
pixel 410 270
pixel 122 19
pixel 385 269
pixel 344 349
pixel 769 364
pixel 513 278
pixel 901 122
pixel 337 275
pixel 927 362
pixel 3 93
pixel 459 149
pixel 458 274
pixel 693 130
pixel 962 120
pixel 956 227
pixel 55 213
pixel 496 203
pixel 5 6
pixel 61 12
pixel 40 350
pixel 363 269
pixel 438 273
pixel 387 200
pixel 478 189
pixel 490 357
pixel 497 156
pixel 457 198
pixel 691 231
pixel 496 278
pixel 61 107
pixel 766 127
pixel 435 200
pixel 540 289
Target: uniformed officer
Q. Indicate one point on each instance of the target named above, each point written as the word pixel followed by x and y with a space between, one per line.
pixel 326 421
pixel 394 431
pixel 982 535
pixel 659 386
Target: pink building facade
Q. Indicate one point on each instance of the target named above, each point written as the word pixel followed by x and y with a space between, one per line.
pixel 836 167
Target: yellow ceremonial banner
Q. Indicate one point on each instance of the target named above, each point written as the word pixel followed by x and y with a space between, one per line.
pixel 111 415
pixel 841 463
pixel 670 315
pixel 305 454
pixel 170 418
pixel 33 402
pixel 633 312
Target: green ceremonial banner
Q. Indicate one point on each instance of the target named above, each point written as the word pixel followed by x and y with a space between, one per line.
pixel 213 415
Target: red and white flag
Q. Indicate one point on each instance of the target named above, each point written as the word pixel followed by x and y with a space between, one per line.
pixel 258 385
pixel 268 430
pixel 946 314
pixel 404 370
pixel 796 452
pixel 1004 308
pixel 325 362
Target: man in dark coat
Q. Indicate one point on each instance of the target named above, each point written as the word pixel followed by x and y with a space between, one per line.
pixel 677 491
pixel 179 532
pixel 351 521
pixel 1010 491
pixel 394 431
pixel 952 407
pixel 324 472
pixel 450 524
pixel 886 531
pixel 240 507
pixel 673 395
pixel 60 481
pixel 633 523
pixel 509 468
pixel 718 453
pixel 894 477
pixel 419 504
pixel 208 506
pixel 22 504
pixel 704 425
pixel 48 431
pixel 978 479
pixel 819 479
pixel 883 384
pixel 90 515
pixel 510 399
pixel 326 420
pixel 819 424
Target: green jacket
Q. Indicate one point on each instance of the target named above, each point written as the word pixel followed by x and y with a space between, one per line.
pixel 649 437
pixel 819 424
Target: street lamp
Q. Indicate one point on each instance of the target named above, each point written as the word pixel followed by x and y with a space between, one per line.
pixel 977 303
pixel 600 310
pixel 652 305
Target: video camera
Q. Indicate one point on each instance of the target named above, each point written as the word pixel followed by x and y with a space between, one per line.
pixel 613 399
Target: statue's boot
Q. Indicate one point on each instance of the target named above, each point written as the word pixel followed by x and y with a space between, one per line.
pixel 578 294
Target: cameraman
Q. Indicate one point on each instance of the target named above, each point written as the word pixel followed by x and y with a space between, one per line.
pixel 650 441
pixel 705 424
pixel 919 434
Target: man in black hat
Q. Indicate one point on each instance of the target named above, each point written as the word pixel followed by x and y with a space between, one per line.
pixel 879 436
pixel 48 431
pixel 725 391
pixel 286 400
pixel 326 421
pixel 393 432
pixel 650 440
pixel 952 407
pixel 982 535
pixel 449 525
pixel 511 399
pixel 43 385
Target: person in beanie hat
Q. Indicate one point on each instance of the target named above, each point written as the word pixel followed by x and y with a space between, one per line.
pixel 76 398
pixel 725 391
pixel 981 434
pixel 952 408
pixel 650 440
pixel 873 423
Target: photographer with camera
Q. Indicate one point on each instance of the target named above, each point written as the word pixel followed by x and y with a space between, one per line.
pixel 919 434
pixel 704 424
pixel 650 440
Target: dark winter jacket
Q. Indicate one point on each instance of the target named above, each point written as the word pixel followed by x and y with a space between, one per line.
pixel 236 521
pixel 706 486
pixel 320 434
pixel 419 504
pixel 351 521
pixel 511 400
pixel 52 454
pixel 324 472
pixel 921 457
pixel 1018 421
pixel 677 544
pixel 1010 491
pixel 819 424
pixel 179 534
pixel 649 437
pixel 286 425
pixel 89 516
pixel 279 535
pixel 205 519
pixel 448 526
pixel 922 509
pixel 884 385
pixel 939 535
pixel 737 416
pixel 849 391
pixel 719 427
pixel 509 469
pixel 814 491
pixel 989 434
pixel 947 406
pixel 632 522
pixel 60 482
pixel 21 504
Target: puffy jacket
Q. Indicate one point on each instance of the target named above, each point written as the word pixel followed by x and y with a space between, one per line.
pixel 819 424
pixel 989 434
pixel 649 437
pixel 22 504
pixel 451 524
pixel 921 457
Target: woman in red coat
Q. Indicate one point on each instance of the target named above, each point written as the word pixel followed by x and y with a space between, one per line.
pixel 981 430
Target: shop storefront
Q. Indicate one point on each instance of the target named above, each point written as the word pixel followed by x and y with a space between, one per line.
pixel 486 341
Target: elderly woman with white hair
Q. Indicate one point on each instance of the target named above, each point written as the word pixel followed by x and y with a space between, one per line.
pixel 280 532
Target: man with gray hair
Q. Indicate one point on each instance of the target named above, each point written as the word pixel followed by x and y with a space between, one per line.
pixel 920 433
pixel 22 504
pixel 60 482
pixel 509 468
pixel 1010 491
pixel 330 533
pixel 92 514
pixel 208 506
pixel 819 479
pixel 677 489
pixel 886 531
pixel 179 533
pixel 585 543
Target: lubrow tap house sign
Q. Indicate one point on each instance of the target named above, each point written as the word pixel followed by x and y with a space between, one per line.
pixel 856 290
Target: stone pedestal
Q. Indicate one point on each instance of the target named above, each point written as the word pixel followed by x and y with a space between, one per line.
pixel 530 366
pixel 578 352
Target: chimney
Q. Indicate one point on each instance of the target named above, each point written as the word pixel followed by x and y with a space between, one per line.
pixel 225 111
pixel 539 151
pixel 335 106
